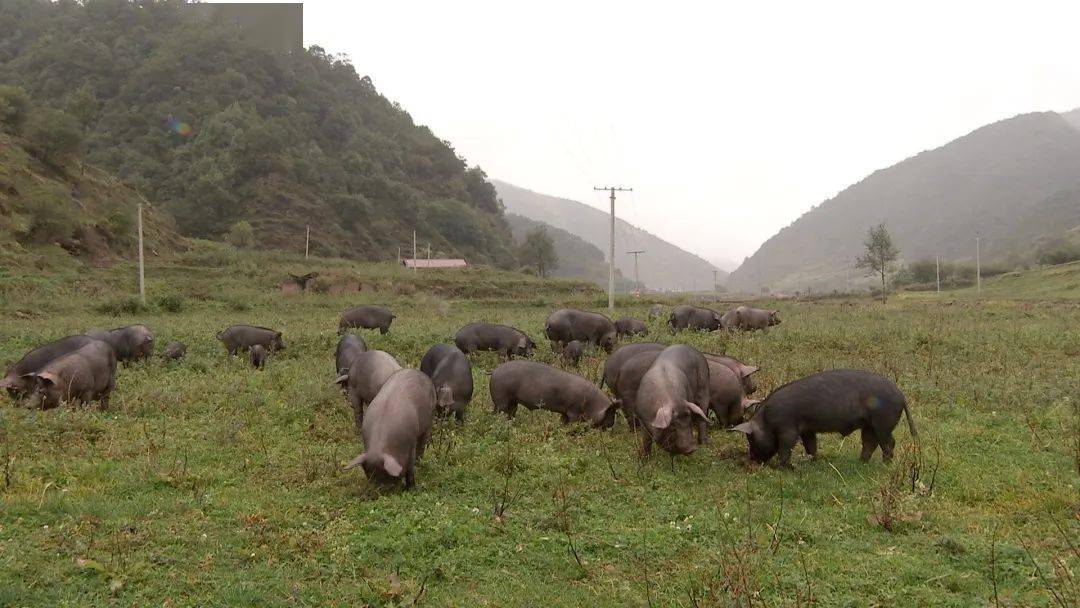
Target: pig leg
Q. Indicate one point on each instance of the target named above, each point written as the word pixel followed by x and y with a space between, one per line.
pixel 384 329
pixel 410 471
pixel 786 440
pixel 421 444
pixel 887 443
pixel 358 411
pixel 869 444
pixel 809 442
pixel 703 431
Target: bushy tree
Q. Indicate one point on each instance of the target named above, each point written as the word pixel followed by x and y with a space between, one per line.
pixel 880 254
pixel 539 251
pixel 241 234
pixel 14 108
pixel 57 136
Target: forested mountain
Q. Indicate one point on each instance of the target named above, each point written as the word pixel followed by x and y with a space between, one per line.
pixel 1016 182
pixel 218 131
pixel 578 259
pixel 663 265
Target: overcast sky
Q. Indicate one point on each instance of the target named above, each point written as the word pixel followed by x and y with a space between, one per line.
pixel 729 120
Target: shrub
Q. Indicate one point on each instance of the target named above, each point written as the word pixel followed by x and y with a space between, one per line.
pixel 242 235
pixel 56 136
pixel 124 305
pixel 172 302
pixel 14 108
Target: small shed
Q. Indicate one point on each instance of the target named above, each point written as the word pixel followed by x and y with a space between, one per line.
pixel 436 263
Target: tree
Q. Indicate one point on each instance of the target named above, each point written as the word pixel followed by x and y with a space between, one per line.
pixel 56 136
pixel 14 106
pixel 242 235
pixel 880 254
pixel 538 250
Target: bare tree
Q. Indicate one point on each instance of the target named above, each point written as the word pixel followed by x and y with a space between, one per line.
pixel 880 254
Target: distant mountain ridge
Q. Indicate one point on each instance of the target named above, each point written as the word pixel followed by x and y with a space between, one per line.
pixel 663 266
pixel 1015 182
pixel 578 258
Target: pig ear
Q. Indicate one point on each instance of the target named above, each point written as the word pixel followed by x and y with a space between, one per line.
pixel 746 428
pixel 663 417
pixel 749 369
pixel 359 460
pixel 46 377
pixel 391 466
pixel 695 410
pixel 523 343
pixel 341 379
pixel 749 403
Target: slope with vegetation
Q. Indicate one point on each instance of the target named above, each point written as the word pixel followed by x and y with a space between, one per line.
pixel 219 131
pixel 662 266
pixel 50 211
pixel 1016 182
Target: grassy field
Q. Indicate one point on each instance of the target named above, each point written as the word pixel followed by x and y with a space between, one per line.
pixel 211 484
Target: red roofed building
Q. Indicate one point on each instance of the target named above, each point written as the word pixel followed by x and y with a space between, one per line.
pixel 438 263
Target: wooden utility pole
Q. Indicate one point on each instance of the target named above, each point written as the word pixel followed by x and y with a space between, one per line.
pixel 715 283
pixel 978 267
pixel 307 241
pixel 142 270
pixel 414 250
pixel 637 281
pixel 611 245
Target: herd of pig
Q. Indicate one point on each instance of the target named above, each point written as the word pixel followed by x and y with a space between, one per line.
pixel 664 392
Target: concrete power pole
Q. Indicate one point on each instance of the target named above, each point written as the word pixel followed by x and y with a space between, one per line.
pixel 937 272
pixel 142 271
pixel 414 250
pixel 611 245
pixel 978 266
pixel 307 241
pixel 637 281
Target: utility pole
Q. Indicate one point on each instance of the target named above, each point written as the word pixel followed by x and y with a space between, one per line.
pixel 637 281
pixel 937 272
pixel 399 254
pixel 429 251
pixel 307 241
pixel 715 283
pixel 611 245
pixel 978 267
pixel 142 272
pixel 414 250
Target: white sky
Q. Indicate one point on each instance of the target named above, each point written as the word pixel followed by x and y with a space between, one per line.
pixel 729 119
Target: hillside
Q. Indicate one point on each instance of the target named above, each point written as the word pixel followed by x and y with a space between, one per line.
pixel 53 212
pixel 1017 182
pixel 578 259
pixel 218 131
pixel 1061 281
pixel 663 267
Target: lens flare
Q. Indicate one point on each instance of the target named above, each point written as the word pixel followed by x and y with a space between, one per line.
pixel 178 126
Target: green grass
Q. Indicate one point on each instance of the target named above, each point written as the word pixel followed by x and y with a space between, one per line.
pixel 210 484
pixel 1060 282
